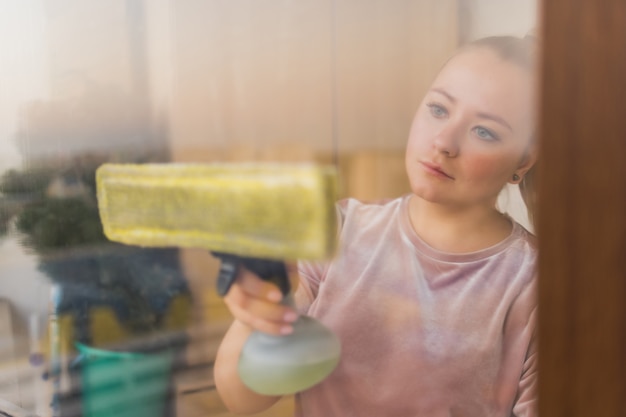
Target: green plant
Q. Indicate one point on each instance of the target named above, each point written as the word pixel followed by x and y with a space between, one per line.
pixel 27 182
pixel 52 223
pixel 5 216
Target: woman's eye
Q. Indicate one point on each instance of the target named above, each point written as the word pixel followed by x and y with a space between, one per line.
pixel 437 110
pixel 484 133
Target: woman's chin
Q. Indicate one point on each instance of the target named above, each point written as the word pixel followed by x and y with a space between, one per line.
pixel 428 194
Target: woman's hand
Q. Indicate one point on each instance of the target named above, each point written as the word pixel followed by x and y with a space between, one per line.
pixel 257 303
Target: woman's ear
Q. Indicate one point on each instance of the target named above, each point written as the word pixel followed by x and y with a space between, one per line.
pixel 528 161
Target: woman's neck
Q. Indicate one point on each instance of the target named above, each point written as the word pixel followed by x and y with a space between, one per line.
pixel 458 229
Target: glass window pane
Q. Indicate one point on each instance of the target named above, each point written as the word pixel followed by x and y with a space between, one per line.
pixel 88 82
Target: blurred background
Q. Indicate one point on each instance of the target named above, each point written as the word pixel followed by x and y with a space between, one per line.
pixel 84 82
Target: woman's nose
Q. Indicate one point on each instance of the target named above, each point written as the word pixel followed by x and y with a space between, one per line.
pixel 447 141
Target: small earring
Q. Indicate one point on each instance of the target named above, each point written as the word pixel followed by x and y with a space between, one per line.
pixel 515 177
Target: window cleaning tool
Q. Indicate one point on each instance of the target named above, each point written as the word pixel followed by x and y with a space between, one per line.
pixel 253 214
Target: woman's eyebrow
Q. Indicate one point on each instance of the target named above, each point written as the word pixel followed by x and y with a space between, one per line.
pixel 483 115
pixel 496 119
pixel 444 93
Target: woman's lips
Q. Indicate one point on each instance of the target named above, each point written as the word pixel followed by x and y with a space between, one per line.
pixel 436 170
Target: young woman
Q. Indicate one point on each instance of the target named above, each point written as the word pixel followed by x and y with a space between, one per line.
pixel 433 293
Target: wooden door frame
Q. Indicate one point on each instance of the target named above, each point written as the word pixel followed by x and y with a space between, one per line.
pixel 581 221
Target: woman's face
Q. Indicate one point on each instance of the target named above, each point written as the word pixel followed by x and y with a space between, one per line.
pixel 472 131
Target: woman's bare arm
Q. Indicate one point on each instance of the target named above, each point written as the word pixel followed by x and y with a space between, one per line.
pixel 236 396
pixel 255 304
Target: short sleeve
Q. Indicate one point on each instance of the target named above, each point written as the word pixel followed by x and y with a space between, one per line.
pixel 312 273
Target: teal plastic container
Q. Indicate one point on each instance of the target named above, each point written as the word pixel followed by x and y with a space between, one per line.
pixel 124 384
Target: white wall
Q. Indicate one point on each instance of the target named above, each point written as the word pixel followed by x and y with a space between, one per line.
pixel 496 17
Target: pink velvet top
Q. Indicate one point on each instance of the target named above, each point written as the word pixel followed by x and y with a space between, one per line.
pixel 423 332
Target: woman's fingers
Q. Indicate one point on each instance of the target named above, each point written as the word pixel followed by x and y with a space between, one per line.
pixel 261 323
pixel 251 284
pixel 256 303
